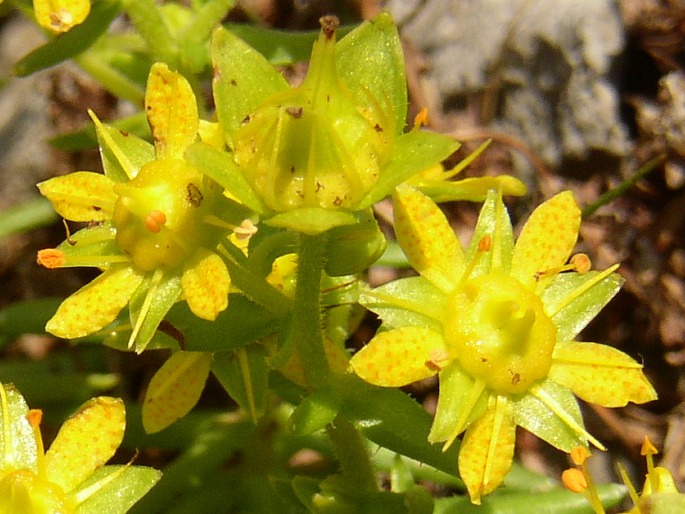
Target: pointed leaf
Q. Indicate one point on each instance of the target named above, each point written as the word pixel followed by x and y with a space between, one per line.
pixel 460 402
pixel 86 441
pixel 175 389
pixel 243 79
pixel 81 196
pixel 172 112
pixel 487 450
pixel 574 299
pixel 399 357
pixel 370 61
pixel 427 238
pixel 493 223
pixel 206 283
pixel 536 417
pixel 547 238
pixel 96 304
pixel 600 374
pixel 18 448
pixel 244 375
pixel 120 488
pixel 315 412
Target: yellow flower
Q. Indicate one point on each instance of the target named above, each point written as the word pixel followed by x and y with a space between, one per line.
pixel 497 323
pixel 153 220
pixel 60 15
pixel 71 476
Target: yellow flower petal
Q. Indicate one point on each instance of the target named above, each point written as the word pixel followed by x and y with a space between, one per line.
pixel 175 389
pixel 427 238
pixel 86 441
pixel 600 374
pixel 81 196
pixel 487 450
pixel 547 239
pixel 399 357
pixel 171 111
pixel 205 282
pixel 96 304
pixel 60 15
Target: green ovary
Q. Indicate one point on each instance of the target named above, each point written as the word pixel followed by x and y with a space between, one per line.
pixel 158 215
pixel 25 492
pixel 499 333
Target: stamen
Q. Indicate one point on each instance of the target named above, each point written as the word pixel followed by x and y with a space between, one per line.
pixel 154 221
pixel 245 230
pixel 66 229
pixel 574 480
pixel 649 450
pixel 421 119
pixel 579 455
pixel 34 417
pixel 580 263
pixel 484 245
pixel 51 258
pixel 466 161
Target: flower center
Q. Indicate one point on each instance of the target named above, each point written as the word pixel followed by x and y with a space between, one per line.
pixel 498 331
pixel 158 215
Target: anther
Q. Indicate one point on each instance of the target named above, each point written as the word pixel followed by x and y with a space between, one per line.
pixel 421 119
pixel 574 480
pixel 154 221
pixel 580 263
pixel 51 258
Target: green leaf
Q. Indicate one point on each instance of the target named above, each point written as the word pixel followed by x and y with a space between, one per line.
pixel 315 412
pixel 370 61
pixel 175 389
pixel 244 375
pixel 413 152
pixel 117 495
pixel 354 248
pixel 243 79
pixel 72 43
pixel 241 323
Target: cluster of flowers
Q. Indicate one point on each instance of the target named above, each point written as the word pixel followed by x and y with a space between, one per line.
pixel 495 321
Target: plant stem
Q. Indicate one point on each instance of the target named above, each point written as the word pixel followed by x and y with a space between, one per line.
pixel 306 316
pixel 353 456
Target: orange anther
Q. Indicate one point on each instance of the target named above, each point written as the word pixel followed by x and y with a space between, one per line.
pixel 421 119
pixel 51 258
pixel 574 480
pixel 154 221
pixel 485 243
pixel 579 455
pixel 34 417
pixel 581 263
pixel 648 448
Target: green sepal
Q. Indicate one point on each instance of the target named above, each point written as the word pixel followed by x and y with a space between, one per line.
pixel 557 501
pixel 118 495
pixel 279 47
pixel 221 168
pixel 244 375
pixel 70 44
pixel 578 309
pixel 85 138
pixel 91 242
pixel 533 415
pixel 354 248
pixel 122 153
pixel 493 222
pixel 406 302
pixel 370 61
pixel 241 323
pixel 243 79
pixel 18 449
pixel 164 295
pixel 412 153
pixel 312 220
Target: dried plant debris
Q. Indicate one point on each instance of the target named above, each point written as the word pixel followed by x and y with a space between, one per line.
pixel 542 68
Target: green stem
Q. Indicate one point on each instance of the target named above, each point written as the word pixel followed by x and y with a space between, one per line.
pixel 351 450
pixel 610 195
pixel 148 20
pixel 110 78
pixel 306 316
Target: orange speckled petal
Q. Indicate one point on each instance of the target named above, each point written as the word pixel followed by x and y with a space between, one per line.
pixel 547 238
pixel 96 304
pixel 600 374
pixel 206 282
pixel 81 196
pixel 171 111
pixel 399 357
pixel 175 389
pixel 427 238
pixel 86 441
pixel 487 450
pixel 60 15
